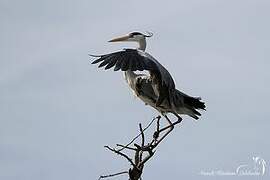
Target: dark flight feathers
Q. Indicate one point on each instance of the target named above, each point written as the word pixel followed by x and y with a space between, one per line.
pixel 128 59
pixel 135 60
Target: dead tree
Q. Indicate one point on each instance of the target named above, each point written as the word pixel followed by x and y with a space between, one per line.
pixel 142 152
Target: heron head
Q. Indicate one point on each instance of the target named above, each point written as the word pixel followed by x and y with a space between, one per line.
pixel 133 36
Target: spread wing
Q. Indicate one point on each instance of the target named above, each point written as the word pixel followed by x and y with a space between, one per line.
pixel 135 60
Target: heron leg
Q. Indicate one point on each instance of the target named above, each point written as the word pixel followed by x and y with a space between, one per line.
pixel 171 125
pixel 156 134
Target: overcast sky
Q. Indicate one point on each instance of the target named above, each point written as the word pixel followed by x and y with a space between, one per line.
pixel 57 111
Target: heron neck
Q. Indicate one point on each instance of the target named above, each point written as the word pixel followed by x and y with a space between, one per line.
pixel 142 44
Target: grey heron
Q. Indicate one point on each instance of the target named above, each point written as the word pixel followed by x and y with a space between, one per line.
pixel 157 88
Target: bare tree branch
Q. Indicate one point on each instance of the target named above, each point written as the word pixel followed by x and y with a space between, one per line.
pixel 144 151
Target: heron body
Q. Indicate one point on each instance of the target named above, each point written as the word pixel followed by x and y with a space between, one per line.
pixel 142 87
pixel 156 89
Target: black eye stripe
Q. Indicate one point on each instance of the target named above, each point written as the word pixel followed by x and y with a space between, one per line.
pixel 135 33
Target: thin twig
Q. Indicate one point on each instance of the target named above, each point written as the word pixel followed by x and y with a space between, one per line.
pixel 142 133
pixel 111 175
pixel 121 154
pixel 158 124
pixel 139 134
pixel 130 148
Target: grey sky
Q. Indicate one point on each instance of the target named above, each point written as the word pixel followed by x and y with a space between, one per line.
pixel 57 111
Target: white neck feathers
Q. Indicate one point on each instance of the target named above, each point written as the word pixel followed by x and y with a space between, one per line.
pixel 142 44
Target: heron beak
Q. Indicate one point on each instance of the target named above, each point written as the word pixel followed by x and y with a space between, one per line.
pixel 122 38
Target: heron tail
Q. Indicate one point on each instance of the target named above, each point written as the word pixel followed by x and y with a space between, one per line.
pixel 187 104
pixel 194 102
